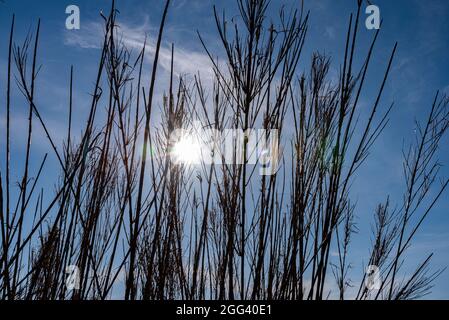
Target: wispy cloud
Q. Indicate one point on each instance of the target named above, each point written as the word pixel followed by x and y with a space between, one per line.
pixel 88 37
pixel 330 32
pixel 185 61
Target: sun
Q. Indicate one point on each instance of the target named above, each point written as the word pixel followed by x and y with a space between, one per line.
pixel 186 150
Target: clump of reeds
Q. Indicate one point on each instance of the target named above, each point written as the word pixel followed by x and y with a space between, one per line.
pixel 139 225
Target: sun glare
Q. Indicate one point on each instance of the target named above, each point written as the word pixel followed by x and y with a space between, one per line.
pixel 186 150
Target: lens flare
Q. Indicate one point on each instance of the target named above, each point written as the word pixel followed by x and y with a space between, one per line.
pixel 186 150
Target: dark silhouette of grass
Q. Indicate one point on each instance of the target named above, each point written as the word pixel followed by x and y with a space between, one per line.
pixel 149 227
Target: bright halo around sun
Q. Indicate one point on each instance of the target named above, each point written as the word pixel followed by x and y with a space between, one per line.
pixel 186 150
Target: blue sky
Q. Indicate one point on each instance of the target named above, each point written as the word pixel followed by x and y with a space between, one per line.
pixel 420 68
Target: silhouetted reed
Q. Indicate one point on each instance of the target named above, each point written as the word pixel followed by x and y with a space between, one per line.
pixel 138 224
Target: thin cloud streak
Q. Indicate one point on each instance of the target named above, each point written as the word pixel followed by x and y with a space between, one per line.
pixel 186 62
